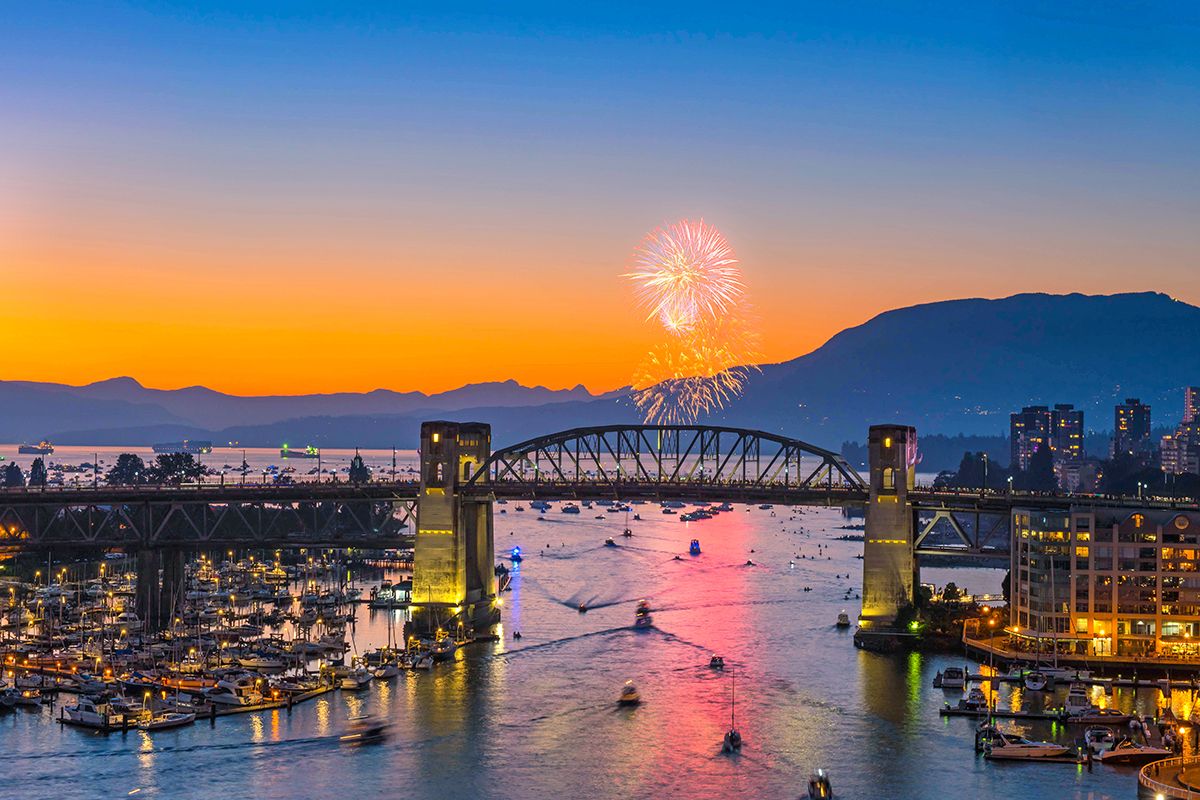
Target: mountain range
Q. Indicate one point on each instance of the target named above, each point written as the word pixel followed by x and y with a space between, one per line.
pixel 951 367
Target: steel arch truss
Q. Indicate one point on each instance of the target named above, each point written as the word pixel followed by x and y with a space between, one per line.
pixel 953 531
pixel 619 455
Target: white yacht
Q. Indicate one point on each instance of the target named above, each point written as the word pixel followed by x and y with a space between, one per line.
pixel 261 661
pixel 357 678
pixel 163 721
pixel 235 691
pixel 1128 751
pixel 87 711
pixel 951 678
pixel 128 621
pixel 1013 747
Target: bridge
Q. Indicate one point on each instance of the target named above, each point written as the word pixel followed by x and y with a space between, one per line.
pixel 446 515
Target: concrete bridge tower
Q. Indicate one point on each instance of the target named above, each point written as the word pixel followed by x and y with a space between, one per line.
pixel 889 564
pixel 453 564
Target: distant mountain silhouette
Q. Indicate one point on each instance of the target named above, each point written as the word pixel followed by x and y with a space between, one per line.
pixel 123 406
pixel 961 366
pixel 950 367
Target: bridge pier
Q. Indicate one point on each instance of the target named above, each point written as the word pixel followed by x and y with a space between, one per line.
pixel 889 562
pixel 454 583
pixel 157 598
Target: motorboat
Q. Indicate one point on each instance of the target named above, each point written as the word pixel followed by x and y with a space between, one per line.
pixel 609 542
pixel 951 678
pixel 582 608
pixel 164 721
pixel 235 691
pixel 91 713
pixel 843 620
pixel 260 661
pixel 819 787
pixel 128 621
pixel 1127 751
pixel 1100 716
pixel 364 730
pixel 627 532
pixel 732 741
pixel 641 616
pixel 570 508
pixel 423 661
pixel 1079 700
pixel 629 695
pixel 515 555
pixel 1036 681
pixel 975 702
pixel 1099 738
pixel 716 662
pixel 388 670
pixel 1009 746
pixel 694 547
pixel 355 679
pixel 443 648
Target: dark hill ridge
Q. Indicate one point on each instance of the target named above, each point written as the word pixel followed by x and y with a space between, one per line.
pixel 951 367
pixel 961 366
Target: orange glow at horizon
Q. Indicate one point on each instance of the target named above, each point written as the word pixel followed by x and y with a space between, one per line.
pixel 295 311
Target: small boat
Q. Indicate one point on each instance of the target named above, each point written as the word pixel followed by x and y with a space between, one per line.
pixel 164 721
pixel 819 787
pixel 516 556
pixel 641 616
pixel 357 678
pixel 583 608
pixel 609 542
pixel 1036 681
pixel 259 661
pixel 1099 738
pixel 443 648
pixel 951 678
pixel 843 620
pixel 732 741
pixel 92 714
pixel 1128 751
pixel 629 695
pixel 1099 716
pixel 1009 746
pixel 423 661
pixel 694 547
pixel 364 730
pixel 388 670
pixel 627 533
pixel 570 508
pixel 716 662
pixel 975 702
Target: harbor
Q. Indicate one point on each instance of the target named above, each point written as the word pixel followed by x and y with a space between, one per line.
pixel 551 677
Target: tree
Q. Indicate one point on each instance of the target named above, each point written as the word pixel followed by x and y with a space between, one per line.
pixel 37 473
pixel 1040 476
pixel 175 468
pixel 359 472
pixel 951 592
pixel 128 471
pixel 13 476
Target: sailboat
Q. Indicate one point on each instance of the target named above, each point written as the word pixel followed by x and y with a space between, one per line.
pixel 733 738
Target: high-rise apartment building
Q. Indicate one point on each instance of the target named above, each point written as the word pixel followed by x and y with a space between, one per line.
pixel 1059 428
pixel 1181 450
pixel 1131 429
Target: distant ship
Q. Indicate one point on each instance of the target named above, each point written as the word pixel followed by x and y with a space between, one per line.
pixel 308 452
pixel 43 448
pixel 186 446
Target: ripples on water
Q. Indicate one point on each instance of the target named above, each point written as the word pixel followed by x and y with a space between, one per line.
pixel 537 718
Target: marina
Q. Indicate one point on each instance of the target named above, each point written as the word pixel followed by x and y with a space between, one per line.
pixel 567 666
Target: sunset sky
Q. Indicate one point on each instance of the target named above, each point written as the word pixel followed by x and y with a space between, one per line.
pixel 298 197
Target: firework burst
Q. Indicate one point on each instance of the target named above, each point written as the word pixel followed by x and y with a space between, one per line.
pixel 686 273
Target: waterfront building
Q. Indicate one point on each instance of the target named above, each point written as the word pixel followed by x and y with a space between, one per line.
pixel 1059 428
pixel 1106 582
pixel 1131 429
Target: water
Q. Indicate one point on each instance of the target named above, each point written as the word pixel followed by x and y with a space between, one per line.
pixel 263 462
pixel 537 718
